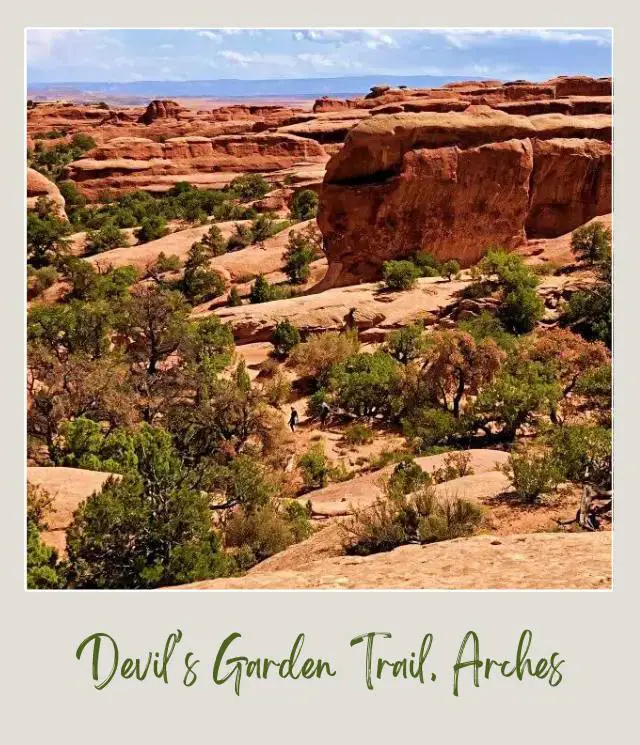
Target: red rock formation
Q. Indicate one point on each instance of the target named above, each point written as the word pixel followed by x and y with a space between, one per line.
pixel 119 163
pixel 439 202
pixel 454 184
pixel 161 109
pixel 40 186
pixel 581 85
pixel 570 184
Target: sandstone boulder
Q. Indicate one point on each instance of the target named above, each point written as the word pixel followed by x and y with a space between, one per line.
pixel 40 186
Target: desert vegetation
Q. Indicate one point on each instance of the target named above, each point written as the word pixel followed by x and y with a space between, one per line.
pixel 235 407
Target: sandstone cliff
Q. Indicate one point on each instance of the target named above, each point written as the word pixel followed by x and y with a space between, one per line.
pixel 456 183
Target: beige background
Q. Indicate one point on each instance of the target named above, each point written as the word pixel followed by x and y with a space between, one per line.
pixel 48 695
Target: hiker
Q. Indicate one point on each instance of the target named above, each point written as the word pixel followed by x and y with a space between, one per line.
pixel 324 413
pixel 293 419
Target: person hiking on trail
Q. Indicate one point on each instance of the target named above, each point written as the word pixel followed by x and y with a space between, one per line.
pixel 293 419
pixel 325 410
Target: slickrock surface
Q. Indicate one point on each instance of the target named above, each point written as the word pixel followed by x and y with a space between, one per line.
pixel 517 562
pixel 68 487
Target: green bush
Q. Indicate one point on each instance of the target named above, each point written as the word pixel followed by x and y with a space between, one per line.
pixel 315 357
pixel 315 467
pixel 406 344
pixel 395 519
pixel 583 453
pixel 366 385
pixel 151 228
pixel 450 269
pixel 428 265
pixel 109 236
pixel 592 242
pixel 249 186
pixel 241 237
pixel 200 283
pixel 304 205
pixel 301 251
pixel 455 466
pixel 399 275
pixel 285 337
pixel 531 475
pixel 407 477
pixel 427 427
pixel 358 434
pixel 263 292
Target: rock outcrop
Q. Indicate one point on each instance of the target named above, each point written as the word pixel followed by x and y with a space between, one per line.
pixel 161 109
pixel 456 183
pixel 118 163
pixel 40 186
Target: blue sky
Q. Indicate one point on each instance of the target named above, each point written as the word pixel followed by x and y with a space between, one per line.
pixel 123 55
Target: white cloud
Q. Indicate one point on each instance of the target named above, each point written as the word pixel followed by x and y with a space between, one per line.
pixel 378 39
pixel 166 46
pixel 244 60
pixel 462 38
pixel 41 42
pixel 317 60
pixel 213 35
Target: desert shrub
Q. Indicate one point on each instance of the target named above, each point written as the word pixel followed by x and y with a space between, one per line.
pixel 264 226
pixel 448 519
pixel 285 337
pixel 531 475
pixel 200 283
pixel 165 264
pixel 240 238
pixel 428 427
pixel 301 250
pixel 46 235
pixel 407 477
pixel 265 531
pixel 520 391
pixel 234 299
pixel 83 142
pixel 83 444
pixel 487 326
pixel 151 228
pixel 450 269
pixel 455 466
pixel 595 386
pixel 263 292
pixel 592 242
pixel 358 434
pixel 316 356
pixel 142 532
pixel 41 279
pixel 366 385
pixel 214 241
pixel 315 467
pixel 107 237
pixel 520 310
pixel 395 519
pixel 277 389
pixel 399 275
pixel 427 263
pixel 520 307
pixel 588 312
pixel 42 569
pixel 304 205
pixel 249 186
pixel 406 344
pixel 456 367
pixel 583 453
